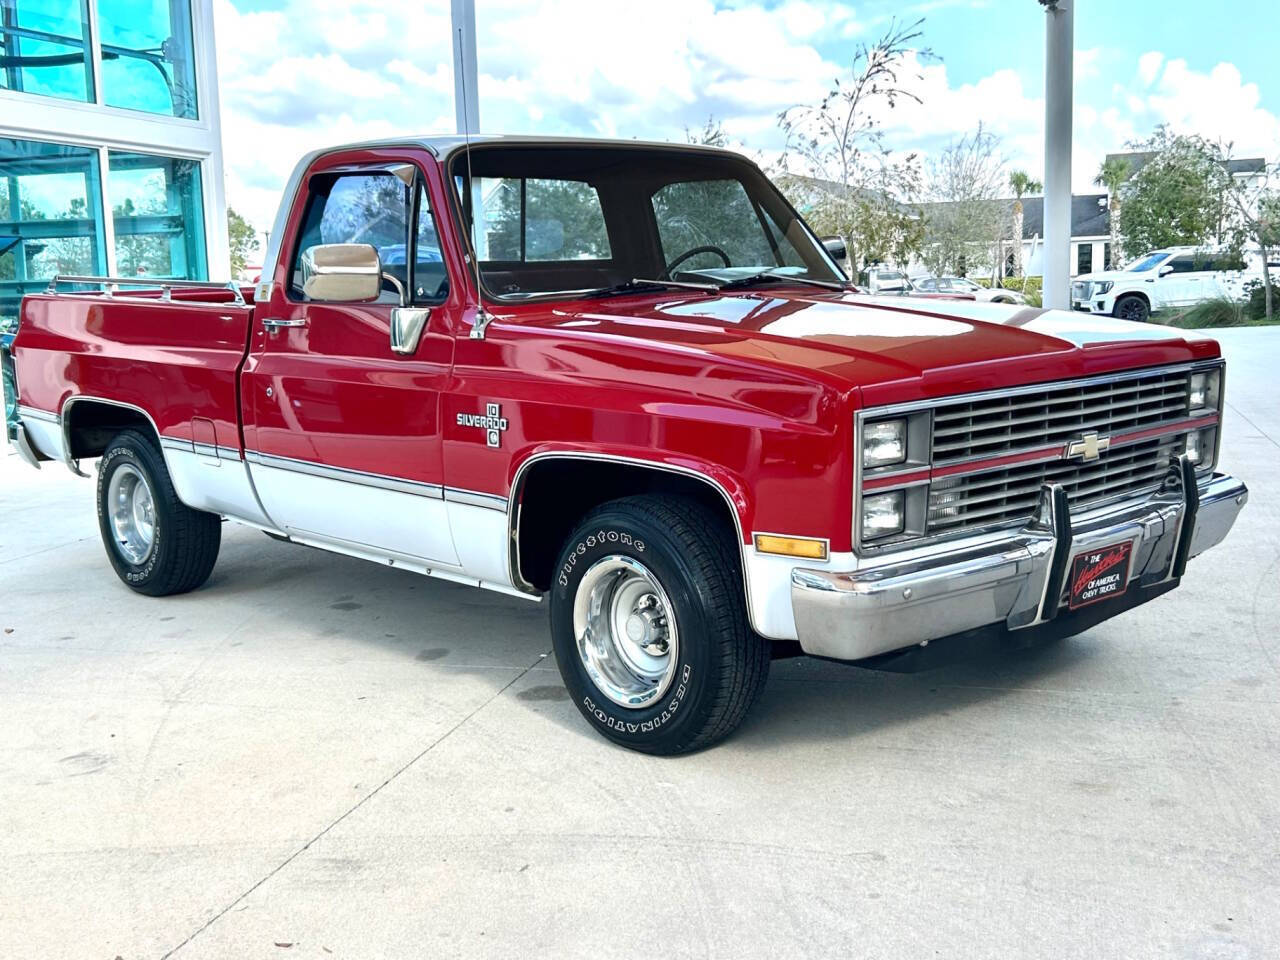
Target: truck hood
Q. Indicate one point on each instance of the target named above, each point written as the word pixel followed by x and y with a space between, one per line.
pixel 893 348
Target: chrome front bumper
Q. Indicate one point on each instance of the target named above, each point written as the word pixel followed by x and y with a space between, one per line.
pixel 1017 581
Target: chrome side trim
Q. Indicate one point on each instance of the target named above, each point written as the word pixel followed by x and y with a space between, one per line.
pixel 517 486
pixel 177 443
pixel 432 491
pixel 474 498
pixel 32 413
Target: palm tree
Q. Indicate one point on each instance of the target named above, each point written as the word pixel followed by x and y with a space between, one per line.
pixel 1112 175
pixel 1022 184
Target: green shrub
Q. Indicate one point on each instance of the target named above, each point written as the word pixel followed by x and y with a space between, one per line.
pixel 1218 312
pixel 1255 307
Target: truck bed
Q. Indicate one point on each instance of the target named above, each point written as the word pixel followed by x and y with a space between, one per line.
pixel 169 354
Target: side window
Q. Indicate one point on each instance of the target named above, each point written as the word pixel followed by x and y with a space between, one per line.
pixel 927 285
pixel 717 213
pixel 372 208
pixel 538 220
pixel 1183 264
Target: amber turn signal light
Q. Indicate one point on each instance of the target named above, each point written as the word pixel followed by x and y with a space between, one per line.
pixel 791 546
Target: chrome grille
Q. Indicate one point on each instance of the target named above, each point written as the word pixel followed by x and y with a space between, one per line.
pixel 1010 495
pixel 1010 423
pixel 1081 290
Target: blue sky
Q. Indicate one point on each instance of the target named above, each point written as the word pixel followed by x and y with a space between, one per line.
pixel 301 73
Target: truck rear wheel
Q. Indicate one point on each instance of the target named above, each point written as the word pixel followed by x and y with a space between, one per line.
pixel 157 545
pixel 649 625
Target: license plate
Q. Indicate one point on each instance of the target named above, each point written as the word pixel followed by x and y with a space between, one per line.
pixel 1099 574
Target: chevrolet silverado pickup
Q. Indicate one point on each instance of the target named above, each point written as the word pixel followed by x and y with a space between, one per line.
pixel 630 379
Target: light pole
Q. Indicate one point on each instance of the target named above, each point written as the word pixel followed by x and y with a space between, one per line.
pixel 1058 54
pixel 466 95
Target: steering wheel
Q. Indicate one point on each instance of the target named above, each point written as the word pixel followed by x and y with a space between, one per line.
pixel 693 252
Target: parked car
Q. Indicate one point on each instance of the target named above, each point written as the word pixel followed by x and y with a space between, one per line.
pixel 963 285
pixel 1162 279
pixel 632 383
pixel 887 280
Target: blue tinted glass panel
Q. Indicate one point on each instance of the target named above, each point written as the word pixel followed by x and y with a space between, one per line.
pixel 147 59
pixel 50 218
pixel 158 211
pixel 44 48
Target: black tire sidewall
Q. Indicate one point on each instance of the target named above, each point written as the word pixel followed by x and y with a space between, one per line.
pixel 682 710
pixel 138 454
pixel 1144 313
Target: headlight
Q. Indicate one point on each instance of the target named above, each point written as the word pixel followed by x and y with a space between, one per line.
pixel 1103 287
pixel 884 443
pixel 1201 446
pixel 1204 389
pixel 883 514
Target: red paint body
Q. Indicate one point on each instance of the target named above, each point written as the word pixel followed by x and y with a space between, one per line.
pixel 757 390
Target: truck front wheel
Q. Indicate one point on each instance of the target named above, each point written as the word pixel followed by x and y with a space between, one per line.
pixel 649 625
pixel 156 543
pixel 1133 308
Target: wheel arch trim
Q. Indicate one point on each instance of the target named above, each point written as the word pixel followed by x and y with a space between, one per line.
pixel 64 416
pixel 521 475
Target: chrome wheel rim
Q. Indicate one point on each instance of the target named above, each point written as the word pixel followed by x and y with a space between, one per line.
pixel 626 633
pixel 133 514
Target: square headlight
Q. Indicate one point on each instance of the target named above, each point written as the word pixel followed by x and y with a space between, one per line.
pixel 1205 385
pixel 883 514
pixel 884 443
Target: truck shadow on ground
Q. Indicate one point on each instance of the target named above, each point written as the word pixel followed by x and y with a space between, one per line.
pixel 440 626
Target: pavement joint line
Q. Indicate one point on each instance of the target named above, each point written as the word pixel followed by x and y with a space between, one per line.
pixel 358 804
pixel 60 546
pixel 1266 436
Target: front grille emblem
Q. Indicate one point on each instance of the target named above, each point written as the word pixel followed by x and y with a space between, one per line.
pixel 1088 448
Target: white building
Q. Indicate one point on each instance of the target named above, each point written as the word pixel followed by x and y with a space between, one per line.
pixel 110 143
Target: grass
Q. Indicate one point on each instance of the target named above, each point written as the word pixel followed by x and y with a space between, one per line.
pixel 1219 312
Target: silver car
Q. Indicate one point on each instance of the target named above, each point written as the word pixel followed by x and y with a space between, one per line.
pixel 963 285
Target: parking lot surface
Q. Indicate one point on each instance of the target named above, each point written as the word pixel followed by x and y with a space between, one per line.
pixel 313 756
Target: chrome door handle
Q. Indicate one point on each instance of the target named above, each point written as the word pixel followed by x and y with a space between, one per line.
pixel 274 323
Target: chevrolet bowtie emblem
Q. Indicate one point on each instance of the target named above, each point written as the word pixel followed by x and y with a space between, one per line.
pixel 1088 448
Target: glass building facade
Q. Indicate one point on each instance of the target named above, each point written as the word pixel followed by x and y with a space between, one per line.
pixel 110 147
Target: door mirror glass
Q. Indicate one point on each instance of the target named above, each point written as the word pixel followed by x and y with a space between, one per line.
pixel 341 273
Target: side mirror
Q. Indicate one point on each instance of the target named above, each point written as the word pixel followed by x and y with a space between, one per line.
pixel 835 248
pixel 1164 271
pixel 341 272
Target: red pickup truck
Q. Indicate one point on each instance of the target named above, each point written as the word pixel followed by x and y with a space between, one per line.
pixel 630 377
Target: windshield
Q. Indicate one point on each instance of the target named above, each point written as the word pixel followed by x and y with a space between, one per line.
pixel 569 221
pixel 1148 262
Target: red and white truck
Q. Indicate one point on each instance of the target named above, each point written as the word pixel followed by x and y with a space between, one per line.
pixel 630 378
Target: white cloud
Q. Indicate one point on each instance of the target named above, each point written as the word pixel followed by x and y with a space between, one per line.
pixel 327 71
pixel 1149 65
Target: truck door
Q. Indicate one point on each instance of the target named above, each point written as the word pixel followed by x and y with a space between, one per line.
pixel 1180 287
pixel 342 432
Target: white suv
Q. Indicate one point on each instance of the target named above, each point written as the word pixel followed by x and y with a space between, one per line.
pixel 1176 277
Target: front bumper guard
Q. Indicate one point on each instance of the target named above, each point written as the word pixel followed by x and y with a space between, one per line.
pixel 1017 580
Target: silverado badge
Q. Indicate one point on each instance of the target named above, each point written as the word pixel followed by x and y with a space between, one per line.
pixel 492 422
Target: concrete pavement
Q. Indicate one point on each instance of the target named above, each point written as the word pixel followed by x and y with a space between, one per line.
pixel 316 757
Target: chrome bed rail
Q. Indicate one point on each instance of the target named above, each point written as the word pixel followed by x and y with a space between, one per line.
pixel 111 285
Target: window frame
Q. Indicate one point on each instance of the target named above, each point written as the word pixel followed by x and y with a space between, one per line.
pixel 420 191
